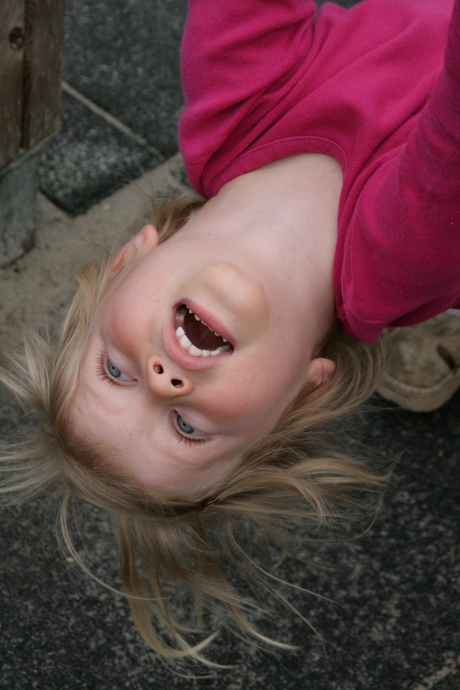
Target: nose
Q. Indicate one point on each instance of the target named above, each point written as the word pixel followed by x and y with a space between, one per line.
pixel 166 382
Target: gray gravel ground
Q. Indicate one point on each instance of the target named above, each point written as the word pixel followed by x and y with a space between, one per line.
pixel 384 610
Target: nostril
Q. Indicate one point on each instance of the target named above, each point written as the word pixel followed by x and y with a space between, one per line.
pixel 177 383
pixel 158 369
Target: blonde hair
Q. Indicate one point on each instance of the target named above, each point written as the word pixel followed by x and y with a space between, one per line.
pixel 293 477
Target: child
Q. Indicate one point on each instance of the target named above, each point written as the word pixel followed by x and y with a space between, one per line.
pixel 197 367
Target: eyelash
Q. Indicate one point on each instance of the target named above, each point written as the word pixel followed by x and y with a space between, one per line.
pixel 192 441
pixel 102 373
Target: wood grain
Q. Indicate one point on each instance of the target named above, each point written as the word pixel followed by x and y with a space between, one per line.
pixel 42 73
pixel 12 14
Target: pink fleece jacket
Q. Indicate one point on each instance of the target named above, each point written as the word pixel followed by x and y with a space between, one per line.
pixel 376 88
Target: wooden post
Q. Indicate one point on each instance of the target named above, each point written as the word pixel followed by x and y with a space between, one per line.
pixel 31 45
pixel 42 72
pixel 12 15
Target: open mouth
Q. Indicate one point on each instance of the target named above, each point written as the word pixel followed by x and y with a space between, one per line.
pixel 196 337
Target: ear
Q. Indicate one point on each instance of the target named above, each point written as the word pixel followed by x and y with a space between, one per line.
pixel 319 372
pixel 145 240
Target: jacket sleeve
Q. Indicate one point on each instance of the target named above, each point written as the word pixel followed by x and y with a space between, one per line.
pixel 233 52
pixel 403 242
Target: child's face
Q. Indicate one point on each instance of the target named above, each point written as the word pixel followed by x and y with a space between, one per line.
pixel 176 419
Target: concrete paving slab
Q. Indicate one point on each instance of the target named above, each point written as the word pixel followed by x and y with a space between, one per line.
pixel 89 159
pixel 124 56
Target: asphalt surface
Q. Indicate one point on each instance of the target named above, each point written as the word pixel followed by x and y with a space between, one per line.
pixel 383 611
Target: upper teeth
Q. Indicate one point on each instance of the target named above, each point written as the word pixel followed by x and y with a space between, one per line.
pixel 186 344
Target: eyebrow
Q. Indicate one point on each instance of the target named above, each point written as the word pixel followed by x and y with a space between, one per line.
pixel 180 458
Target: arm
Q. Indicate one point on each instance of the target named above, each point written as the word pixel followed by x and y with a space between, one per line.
pixel 403 242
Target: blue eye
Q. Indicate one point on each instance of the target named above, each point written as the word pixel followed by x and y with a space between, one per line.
pixel 183 426
pixel 188 433
pixel 113 370
pixel 107 370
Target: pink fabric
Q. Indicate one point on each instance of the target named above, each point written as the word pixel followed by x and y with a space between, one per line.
pixel 267 79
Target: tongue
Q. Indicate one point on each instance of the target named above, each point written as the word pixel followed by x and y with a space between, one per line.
pixel 200 335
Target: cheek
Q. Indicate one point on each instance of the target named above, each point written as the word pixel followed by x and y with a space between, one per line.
pixel 124 307
pixel 246 402
pixel 125 326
